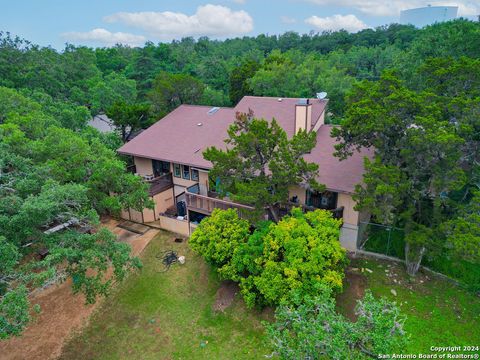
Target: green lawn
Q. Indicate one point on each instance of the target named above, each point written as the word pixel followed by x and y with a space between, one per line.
pixel 155 315
pixel 438 313
pixel 169 315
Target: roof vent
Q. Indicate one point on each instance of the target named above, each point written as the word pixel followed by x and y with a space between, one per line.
pixel 199 124
pixel 213 110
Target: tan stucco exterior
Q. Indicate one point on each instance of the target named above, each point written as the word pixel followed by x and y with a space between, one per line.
pixel 143 166
pixel 299 192
pixel 163 201
pixel 350 216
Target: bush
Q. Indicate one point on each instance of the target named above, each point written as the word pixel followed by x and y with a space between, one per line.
pixel 310 328
pixel 299 253
pixel 218 236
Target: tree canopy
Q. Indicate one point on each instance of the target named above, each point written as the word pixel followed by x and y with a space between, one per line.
pixel 261 163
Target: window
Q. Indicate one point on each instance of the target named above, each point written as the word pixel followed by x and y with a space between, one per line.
pixel 186 172
pixel 160 167
pixel 176 170
pixel 194 175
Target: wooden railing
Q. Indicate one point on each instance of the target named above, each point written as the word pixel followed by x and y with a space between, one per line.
pixel 160 183
pixel 206 204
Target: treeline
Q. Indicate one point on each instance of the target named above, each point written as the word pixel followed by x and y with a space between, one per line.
pixel 216 72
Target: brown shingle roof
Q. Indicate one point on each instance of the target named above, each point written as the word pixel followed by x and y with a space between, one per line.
pixel 335 174
pixel 179 138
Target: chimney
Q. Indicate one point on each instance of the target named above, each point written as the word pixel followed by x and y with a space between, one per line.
pixel 303 115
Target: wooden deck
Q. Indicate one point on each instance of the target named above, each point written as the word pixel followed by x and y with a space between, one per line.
pixel 160 183
pixel 205 205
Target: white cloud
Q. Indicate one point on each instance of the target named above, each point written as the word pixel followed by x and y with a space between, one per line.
pixel 393 7
pixel 105 37
pixel 209 20
pixel 337 22
pixel 288 20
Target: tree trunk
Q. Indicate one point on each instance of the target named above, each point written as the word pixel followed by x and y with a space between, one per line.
pixel 413 258
pixel 274 213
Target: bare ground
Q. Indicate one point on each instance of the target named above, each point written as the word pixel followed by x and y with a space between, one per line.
pixel 61 311
pixel 225 295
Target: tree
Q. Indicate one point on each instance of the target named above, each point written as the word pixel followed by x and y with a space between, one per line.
pixel 129 118
pixel 311 328
pixel 113 89
pixel 172 90
pixel 261 163
pixel 416 162
pixel 301 252
pixel 238 81
pixel 52 176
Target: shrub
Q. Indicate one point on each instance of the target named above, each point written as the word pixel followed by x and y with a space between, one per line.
pixel 218 236
pixel 299 253
pixel 310 328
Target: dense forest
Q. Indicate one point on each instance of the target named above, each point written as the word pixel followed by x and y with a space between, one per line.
pixel 55 169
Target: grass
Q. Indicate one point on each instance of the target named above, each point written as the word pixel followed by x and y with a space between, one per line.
pixel 438 312
pixel 155 315
pixel 169 315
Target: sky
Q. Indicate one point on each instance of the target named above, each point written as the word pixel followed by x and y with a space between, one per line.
pixel 107 22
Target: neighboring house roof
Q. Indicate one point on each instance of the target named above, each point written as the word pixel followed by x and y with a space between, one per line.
pixel 179 138
pixel 102 123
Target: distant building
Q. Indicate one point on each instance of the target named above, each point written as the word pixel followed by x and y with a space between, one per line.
pixel 424 16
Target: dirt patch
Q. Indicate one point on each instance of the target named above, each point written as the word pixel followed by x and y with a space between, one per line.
pixel 225 295
pixel 61 312
pixel 354 286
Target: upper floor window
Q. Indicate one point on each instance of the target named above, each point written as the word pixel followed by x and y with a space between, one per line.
pixel 195 175
pixel 160 167
pixel 176 170
pixel 186 172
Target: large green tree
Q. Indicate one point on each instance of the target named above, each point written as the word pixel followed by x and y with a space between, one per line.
pixel 416 162
pixel 171 90
pixel 54 183
pixel 261 163
pixel 129 118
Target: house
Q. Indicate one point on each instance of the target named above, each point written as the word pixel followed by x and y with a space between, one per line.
pixel 169 156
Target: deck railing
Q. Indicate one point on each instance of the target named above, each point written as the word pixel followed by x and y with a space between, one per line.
pixel 160 183
pixel 205 204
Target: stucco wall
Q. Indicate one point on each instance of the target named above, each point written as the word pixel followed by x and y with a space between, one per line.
pixel 299 192
pixel 174 225
pixel 136 216
pixel 163 201
pixel 143 166
pixel 350 216
pixel 148 215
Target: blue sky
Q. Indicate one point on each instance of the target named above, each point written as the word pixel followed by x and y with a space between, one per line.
pixel 105 22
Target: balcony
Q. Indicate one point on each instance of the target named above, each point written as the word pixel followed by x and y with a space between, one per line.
pixel 205 205
pixel 159 183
